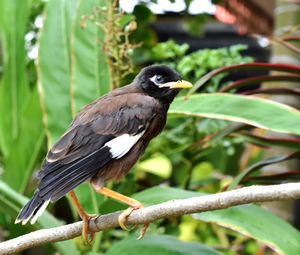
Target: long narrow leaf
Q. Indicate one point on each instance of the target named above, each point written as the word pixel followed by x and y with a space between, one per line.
pixel 261 164
pixel 277 90
pixel 26 148
pixel 14 89
pixel 261 78
pixel 248 66
pixel 54 67
pixel 291 38
pixel 287 45
pixel 90 75
pixel 254 111
pixel 292 144
pixel 290 176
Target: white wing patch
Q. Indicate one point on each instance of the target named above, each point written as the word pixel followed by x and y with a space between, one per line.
pixel 120 145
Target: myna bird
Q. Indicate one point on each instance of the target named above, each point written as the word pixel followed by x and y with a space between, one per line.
pixel 104 141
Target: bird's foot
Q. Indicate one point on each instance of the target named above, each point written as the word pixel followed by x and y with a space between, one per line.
pixel 85 217
pixel 88 238
pixel 126 213
pixel 134 205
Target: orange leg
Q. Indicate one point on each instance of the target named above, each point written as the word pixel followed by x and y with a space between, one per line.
pixel 84 216
pixel 134 205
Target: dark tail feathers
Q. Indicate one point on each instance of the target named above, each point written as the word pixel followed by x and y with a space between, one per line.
pixel 60 180
pixel 34 208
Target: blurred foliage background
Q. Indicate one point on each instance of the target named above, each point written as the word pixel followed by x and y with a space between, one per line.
pixel 59 55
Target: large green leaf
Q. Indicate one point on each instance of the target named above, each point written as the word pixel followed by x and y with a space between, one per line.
pixel 247 219
pixel 159 245
pixel 11 203
pixel 54 67
pixel 13 88
pixel 250 110
pixel 258 223
pixel 90 75
pixel 22 157
pixel 72 68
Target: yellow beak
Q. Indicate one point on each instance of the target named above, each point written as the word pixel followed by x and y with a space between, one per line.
pixel 177 85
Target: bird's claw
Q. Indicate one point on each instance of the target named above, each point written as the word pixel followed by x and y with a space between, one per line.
pixel 143 231
pixel 123 217
pixel 88 238
pixel 125 214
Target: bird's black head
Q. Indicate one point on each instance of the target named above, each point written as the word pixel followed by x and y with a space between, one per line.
pixel 161 82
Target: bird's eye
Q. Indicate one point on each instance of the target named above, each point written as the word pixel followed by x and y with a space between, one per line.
pixel 159 78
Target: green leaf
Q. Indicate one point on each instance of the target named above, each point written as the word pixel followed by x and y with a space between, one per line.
pixel 168 49
pixel 194 65
pixel 14 89
pixel 259 224
pixel 213 138
pixel 159 244
pixel 194 24
pixel 247 219
pixel 250 110
pixel 126 19
pixel 158 164
pixel 54 67
pixel 90 74
pixel 11 203
pixel 23 156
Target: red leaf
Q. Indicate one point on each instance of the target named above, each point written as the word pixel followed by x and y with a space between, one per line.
pixel 287 44
pixel 291 38
pixel 261 164
pixel 292 144
pixel 273 178
pixel 248 66
pixel 261 78
pixel 272 91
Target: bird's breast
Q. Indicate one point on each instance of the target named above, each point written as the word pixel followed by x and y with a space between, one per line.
pixel 119 167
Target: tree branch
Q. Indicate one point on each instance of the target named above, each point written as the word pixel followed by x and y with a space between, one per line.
pixel 290 191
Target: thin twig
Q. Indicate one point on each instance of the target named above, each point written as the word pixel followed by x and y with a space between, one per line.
pixel 290 191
